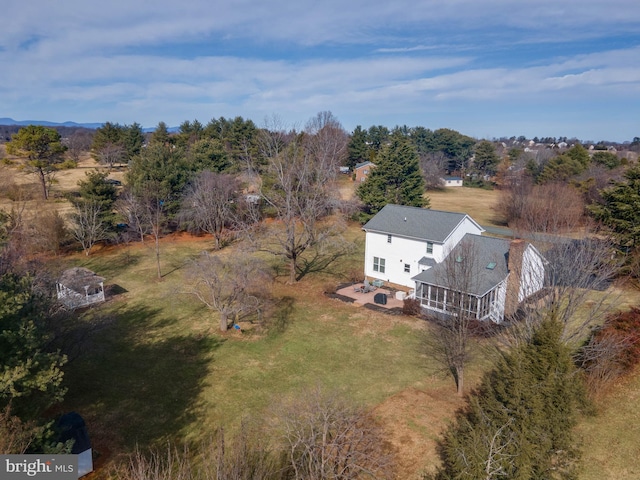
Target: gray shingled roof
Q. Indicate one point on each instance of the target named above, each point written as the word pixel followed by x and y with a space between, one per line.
pixel 77 278
pixel 415 222
pixel 486 250
pixel 428 261
pixel 362 164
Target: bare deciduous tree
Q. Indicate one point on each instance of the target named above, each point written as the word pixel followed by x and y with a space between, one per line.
pixel 111 153
pixel 221 457
pixel 325 437
pixel 78 143
pixel 553 208
pixel 578 274
pixel 154 215
pixel 602 358
pixel 299 189
pixel 88 225
pixel 329 140
pixel 132 210
pixel 433 167
pixel 449 342
pixel 209 204
pixel 232 288
pixel 45 231
pixel 15 434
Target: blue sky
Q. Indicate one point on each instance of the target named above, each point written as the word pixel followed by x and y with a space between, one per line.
pixel 487 68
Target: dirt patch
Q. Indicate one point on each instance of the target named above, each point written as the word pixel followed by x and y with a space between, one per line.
pixel 414 420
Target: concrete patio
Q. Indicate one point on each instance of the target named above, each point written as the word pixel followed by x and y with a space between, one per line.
pixel 359 298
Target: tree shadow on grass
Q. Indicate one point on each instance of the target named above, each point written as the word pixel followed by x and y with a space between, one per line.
pixel 136 387
pixel 111 266
pixel 281 316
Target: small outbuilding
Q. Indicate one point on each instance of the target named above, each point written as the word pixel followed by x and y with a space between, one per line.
pixel 452 181
pixel 79 287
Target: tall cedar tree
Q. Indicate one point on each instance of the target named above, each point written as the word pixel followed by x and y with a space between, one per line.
pixel 358 151
pixel 96 189
pixel 396 178
pixel 486 159
pixel 518 423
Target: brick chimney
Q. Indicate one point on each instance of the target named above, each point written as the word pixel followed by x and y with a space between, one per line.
pixel 516 253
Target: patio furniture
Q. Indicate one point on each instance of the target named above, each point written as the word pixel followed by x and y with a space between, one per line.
pixel 368 287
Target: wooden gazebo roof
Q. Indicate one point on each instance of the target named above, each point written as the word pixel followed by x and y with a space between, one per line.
pixel 77 278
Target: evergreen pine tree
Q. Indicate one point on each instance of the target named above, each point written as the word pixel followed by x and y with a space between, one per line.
pixel 620 210
pixel 358 151
pixel 518 423
pixel 395 179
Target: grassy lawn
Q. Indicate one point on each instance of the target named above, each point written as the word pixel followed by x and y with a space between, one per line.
pixel 153 366
pixel 477 203
pixel 611 439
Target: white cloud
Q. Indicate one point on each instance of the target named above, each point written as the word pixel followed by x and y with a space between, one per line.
pixel 122 59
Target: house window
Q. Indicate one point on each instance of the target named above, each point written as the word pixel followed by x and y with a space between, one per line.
pixel 429 247
pixel 388 238
pixel 407 268
pixel 378 264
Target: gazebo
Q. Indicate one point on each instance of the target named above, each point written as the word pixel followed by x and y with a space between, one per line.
pixel 79 287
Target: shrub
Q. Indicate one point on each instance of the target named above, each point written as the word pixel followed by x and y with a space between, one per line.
pixel 329 288
pixel 411 306
pixel 612 350
pixel 355 276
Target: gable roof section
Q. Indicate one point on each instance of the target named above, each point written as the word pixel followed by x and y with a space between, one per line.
pixel 415 222
pixel 364 164
pixel 486 250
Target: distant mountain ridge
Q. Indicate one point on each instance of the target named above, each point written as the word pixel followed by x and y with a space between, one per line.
pixel 44 123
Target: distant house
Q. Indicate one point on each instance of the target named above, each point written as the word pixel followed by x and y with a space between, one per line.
pixel 452 181
pixel 362 170
pixel 79 287
pixel 252 198
pixel 413 248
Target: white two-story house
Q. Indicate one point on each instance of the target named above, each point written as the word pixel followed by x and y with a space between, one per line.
pixel 427 252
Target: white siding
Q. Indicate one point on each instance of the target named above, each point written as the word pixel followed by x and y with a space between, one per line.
pixel 466 226
pixel 396 254
pixel 403 250
pixel 532 273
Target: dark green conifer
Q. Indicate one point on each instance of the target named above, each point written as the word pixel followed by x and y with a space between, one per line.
pixel 518 423
pixel 395 179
